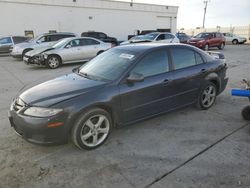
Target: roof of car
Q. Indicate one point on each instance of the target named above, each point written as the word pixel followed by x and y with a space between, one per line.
pixel 147 46
pixel 60 33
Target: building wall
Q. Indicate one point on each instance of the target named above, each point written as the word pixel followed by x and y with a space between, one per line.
pixel 117 19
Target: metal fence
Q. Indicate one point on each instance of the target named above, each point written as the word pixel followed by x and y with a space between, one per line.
pixel 243 31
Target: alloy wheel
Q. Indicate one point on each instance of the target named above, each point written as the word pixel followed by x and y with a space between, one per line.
pixel 208 96
pixel 53 62
pixel 95 130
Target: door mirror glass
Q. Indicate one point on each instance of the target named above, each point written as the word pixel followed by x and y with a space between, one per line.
pixel 135 77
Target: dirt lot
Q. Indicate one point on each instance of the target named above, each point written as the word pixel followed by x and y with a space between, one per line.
pixel 186 148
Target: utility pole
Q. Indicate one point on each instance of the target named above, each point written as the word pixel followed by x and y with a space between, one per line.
pixel 205 11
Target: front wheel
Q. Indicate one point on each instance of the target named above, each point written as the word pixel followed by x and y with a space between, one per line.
pixel 235 41
pixel 207 97
pixel 221 47
pixel 92 129
pixel 246 113
pixel 53 62
pixel 206 47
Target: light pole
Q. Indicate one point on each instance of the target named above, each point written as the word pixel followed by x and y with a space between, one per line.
pixel 205 11
pixel 131 3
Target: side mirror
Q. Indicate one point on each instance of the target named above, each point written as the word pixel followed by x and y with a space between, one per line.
pixel 68 46
pixel 135 77
pixel 76 69
pixel 38 42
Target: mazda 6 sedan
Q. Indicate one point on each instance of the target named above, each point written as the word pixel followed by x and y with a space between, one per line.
pixel 121 86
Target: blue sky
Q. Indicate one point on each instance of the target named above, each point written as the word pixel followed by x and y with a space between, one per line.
pixel 219 13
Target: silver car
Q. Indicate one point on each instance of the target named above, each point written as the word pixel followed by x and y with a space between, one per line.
pixel 70 50
pixel 153 37
pixel 43 40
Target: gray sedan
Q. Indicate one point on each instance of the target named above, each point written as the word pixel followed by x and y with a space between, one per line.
pixel 69 50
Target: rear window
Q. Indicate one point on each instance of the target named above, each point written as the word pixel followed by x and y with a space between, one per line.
pixel 183 58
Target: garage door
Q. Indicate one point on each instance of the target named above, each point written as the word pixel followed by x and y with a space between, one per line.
pixel 163 22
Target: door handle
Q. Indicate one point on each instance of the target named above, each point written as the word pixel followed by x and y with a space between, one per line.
pixel 166 82
pixel 203 71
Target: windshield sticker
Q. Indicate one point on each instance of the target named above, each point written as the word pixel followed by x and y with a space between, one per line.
pixel 127 56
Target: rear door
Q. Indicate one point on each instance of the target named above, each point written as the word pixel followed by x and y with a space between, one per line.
pixel 5 44
pixel 153 95
pixel 89 48
pixel 189 72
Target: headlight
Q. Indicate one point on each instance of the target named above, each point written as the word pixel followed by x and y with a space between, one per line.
pixel 41 112
pixel 44 56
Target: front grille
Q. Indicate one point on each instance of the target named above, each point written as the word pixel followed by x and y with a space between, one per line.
pixel 18 104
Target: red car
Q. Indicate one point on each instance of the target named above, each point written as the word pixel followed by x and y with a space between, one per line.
pixel 206 40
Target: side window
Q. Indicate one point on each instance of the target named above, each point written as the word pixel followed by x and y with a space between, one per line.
pixel 152 64
pixel 87 42
pixel 74 43
pixel 17 40
pixel 183 58
pixel 102 36
pixel 6 40
pixel 198 58
pixel 168 36
pixel 46 38
pixel 161 37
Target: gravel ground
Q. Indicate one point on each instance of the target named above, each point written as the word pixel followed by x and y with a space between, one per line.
pixel 185 148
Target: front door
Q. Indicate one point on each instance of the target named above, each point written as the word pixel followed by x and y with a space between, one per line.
pixel 151 96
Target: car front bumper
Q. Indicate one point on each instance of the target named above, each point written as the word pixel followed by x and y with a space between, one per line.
pixel 36 130
pixel 16 54
pixel 33 60
pixel 197 44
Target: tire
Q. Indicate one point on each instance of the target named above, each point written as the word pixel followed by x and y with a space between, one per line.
pixel 206 47
pixel 97 125
pixel 25 51
pixel 98 53
pixel 235 41
pixel 207 96
pixel 246 113
pixel 53 61
pixel 221 47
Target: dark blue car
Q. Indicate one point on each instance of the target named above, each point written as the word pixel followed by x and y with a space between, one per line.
pixel 121 86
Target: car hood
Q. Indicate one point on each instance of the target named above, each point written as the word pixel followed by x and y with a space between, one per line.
pixel 196 39
pixel 136 41
pixel 59 89
pixel 38 51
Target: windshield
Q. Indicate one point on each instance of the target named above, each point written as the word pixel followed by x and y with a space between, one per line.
pixel 150 36
pixel 108 65
pixel 60 43
pixel 202 35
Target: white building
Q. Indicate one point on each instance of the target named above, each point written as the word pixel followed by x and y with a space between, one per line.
pixel 117 19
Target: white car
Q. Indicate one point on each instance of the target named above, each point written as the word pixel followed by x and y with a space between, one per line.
pixel 44 40
pixel 234 39
pixel 153 37
pixel 69 50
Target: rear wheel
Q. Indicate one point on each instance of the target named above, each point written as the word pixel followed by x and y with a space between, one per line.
pixel 53 61
pixel 235 41
pixel 92 129
pixel 221 47
pixel 25 51
pixel 207 96
pixel 246 113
